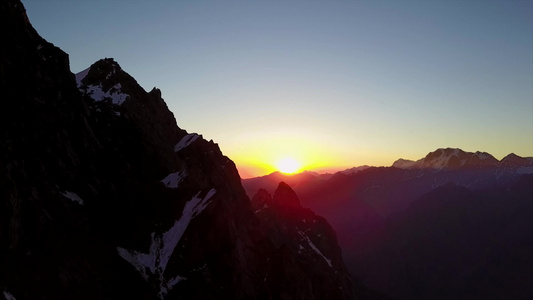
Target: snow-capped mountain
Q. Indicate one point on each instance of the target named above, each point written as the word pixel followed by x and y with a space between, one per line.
pixel 453 158
pixel 105 197
pixel 404 163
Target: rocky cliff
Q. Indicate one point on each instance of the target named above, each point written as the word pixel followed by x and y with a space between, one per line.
pixel 103 196
pixel 305 242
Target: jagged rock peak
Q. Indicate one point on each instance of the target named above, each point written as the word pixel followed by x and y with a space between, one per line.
pixel 106 80
pixel 262 196
pixel 14 14
pixel 298 232
pixel 100 70
pixel 285 196
pixel 260 200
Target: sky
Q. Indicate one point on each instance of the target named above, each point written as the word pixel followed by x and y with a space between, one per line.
pixel 329 84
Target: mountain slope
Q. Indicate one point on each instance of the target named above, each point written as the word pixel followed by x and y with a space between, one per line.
pixel 299 231
pixel 105 197
pixel 385 224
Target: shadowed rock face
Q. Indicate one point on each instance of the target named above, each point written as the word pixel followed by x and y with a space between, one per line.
pixel 298 233
pixel 286 197
pixel 105 197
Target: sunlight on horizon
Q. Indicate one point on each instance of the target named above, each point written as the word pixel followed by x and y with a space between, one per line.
pixel 288 165
pixel 288 152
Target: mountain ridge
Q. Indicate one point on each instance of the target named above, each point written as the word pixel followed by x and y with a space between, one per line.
pixel 455 158
pixel 422 233
pixel 105 197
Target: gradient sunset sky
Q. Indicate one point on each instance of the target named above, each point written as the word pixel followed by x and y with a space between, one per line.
pixel 332 84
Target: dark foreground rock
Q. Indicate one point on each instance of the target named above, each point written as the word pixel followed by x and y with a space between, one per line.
pixel 103 196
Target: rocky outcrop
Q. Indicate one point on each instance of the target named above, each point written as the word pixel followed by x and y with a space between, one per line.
pixel 297 232
pixel 284 196
pixel 105 197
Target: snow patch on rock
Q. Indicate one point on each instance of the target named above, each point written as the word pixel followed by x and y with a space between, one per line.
pixel 173 179
pixel 186 141
pixel 73 197
pixel 154 263
pixel 315 248
pixel 97 93
pixel 264 206
pixel 9 296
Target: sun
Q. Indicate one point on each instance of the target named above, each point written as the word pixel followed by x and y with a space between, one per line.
pixel 288 165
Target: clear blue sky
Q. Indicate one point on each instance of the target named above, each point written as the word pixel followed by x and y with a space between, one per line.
pixel 330 83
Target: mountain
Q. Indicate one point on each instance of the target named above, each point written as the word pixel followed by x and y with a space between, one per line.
pixel 298 231
pixel 105 197
pixel 451 158
pixel 403 163
pixel 355 169
pixel 271 181
pixel 379 213
pixel 390 189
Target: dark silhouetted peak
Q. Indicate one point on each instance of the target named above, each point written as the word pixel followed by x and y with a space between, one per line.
pixel 106 68
pixel 297 233
pixel 285 196
pixel 155 92
pixel 15 23
pixel 105 80
pixel 261 200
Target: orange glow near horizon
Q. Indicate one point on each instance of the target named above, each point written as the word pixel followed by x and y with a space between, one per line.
pixel 288 165
pixel 267 154
pixel 258 151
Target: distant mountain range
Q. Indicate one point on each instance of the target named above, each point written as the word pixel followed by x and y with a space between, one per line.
pixel 451 158
pixel 453 224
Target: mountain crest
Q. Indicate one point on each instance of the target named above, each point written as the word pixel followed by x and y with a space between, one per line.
pixel 295 230
pixel 451 158
pixel 260 200
pixel 106 81
pixel 515 160
pixel 285 196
